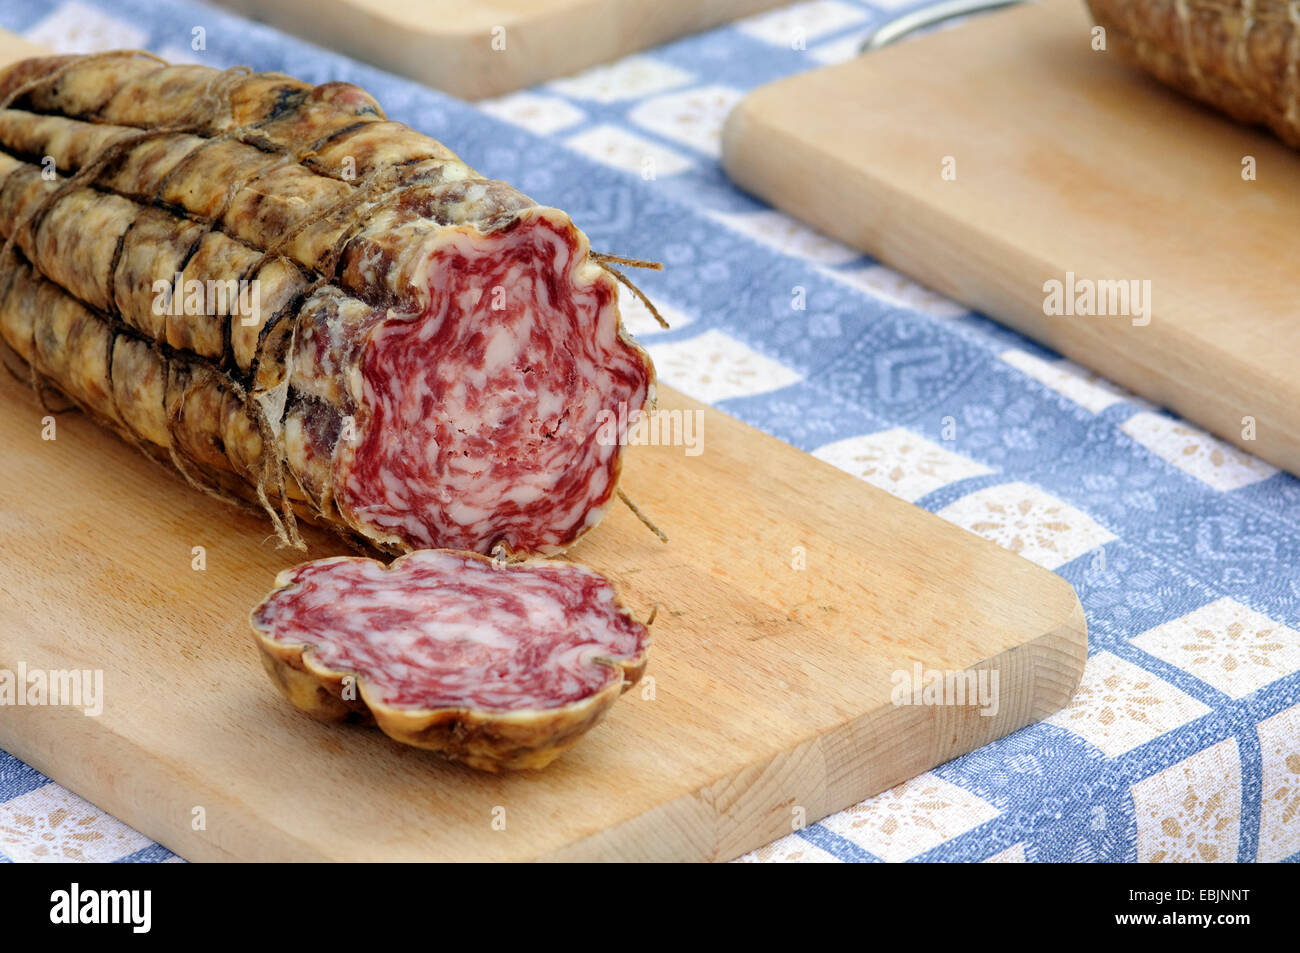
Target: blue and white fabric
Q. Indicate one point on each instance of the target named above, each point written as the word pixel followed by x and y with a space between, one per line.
pixel 1183 743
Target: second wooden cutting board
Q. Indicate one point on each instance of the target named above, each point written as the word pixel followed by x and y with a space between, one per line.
pixel 473 50
pixel 989 160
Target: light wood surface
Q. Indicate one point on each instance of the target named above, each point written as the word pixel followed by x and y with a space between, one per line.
pixel 450 43
pixel 771 684
pixel 1066 161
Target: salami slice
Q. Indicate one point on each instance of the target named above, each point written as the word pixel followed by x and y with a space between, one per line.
pixel 297 301
pixel 496 665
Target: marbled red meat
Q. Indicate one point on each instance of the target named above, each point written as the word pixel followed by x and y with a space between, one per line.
pixel 505 376
pixel 432 347
pixel 494 664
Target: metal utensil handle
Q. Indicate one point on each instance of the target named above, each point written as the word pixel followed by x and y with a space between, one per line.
pixel 928 16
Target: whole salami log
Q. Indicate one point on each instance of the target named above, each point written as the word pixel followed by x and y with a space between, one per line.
pixel 1240 56
pixel 497 665
pixel 300 302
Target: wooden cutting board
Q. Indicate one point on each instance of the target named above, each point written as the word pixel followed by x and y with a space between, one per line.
pixel 771 685
pixel 789 595
pixel 480 49
pixel 1067 161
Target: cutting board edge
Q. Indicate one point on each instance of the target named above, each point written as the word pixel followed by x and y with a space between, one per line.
pixel 158 783
pixel 1062 650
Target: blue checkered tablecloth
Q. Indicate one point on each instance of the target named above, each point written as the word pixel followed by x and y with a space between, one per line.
pixel 1183 742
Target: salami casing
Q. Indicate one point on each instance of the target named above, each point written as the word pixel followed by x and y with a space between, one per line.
pixel 299 302
pixel 1240 56
pixel 494 664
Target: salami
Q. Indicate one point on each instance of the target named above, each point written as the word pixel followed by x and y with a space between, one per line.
pixel 496 665
pixel 1240 57
pixel 299 302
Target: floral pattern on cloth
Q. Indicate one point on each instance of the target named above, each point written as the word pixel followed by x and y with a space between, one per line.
pixel 1183 742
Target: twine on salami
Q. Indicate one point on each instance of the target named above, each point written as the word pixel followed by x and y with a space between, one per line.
pixel 607 262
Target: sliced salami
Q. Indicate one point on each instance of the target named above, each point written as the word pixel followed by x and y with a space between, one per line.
pixel 297 301
pixel 496 665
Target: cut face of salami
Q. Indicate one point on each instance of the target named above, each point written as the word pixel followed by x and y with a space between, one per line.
pixel 498 665
pixel 300 303
pixel 479 412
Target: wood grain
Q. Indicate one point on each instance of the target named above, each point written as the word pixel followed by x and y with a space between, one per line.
pixel 1066 161
pixel 449 43
pixel 771 684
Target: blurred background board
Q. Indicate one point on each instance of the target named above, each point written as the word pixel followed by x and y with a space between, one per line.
pixel 478 49
pixel 1063 161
